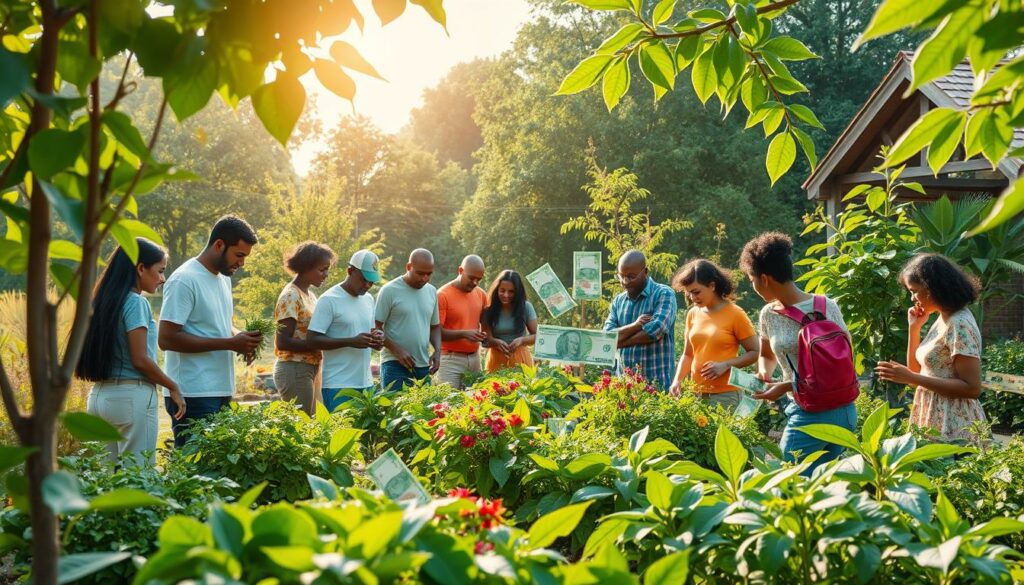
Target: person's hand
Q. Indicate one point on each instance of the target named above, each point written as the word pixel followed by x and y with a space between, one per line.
pixel 916 316
pixel 895 372
pixel 516 344
pixel 435 362
pixel 474 336
pixel 712 370
pixel 642 320
pixel 773 392
pixel 406 360
pixel 362 341
pixel 676 389
pixel 501 345
pixel 378 338
pixel 245 342
pixel 179 403
pixel 764 377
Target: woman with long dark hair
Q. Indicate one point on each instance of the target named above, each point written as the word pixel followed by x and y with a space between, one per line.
pixel 119 354
pixel 510 323
pixel 945 366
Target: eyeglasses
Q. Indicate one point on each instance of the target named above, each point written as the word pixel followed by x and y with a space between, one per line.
pixel 627 278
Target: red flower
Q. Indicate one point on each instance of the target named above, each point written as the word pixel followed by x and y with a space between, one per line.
pixel 461 493
pixel 544 415
pixel 482 547
pixel 467 441
pixel 622 405
pixel 481 435
pixel 515 420
pixel 439 433
pixel 433 422
pixel 496 386
pixel 605 373
pixel 513 385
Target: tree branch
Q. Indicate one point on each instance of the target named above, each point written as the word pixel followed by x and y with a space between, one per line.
pixel 10 400
pixel 774 6
pixel 122 90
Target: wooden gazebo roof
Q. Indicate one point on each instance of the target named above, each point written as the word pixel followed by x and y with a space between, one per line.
pixel 884 117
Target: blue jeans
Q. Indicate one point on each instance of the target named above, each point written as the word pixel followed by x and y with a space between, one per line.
pixel 331 399
pixel 392 372
pixel 796 443
pixel 197 407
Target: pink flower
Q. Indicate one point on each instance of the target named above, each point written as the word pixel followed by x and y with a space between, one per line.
pixel 515 420
pixel 513 385
pixel 622 405
pixel 439 434
pixel 467 441
pixel 605 373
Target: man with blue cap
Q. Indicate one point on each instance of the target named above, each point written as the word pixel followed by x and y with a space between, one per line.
pixel 342 326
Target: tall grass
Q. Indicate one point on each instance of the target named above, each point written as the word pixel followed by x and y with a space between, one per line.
pixel 13 327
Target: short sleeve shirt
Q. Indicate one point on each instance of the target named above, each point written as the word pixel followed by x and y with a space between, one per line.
pixel 295 304
pixel 715 337
pixel 407 314
pixel 135 314
pixel 460 310
pixel 338 314
pixel 201 303
pixel 505 328
pixel 782 332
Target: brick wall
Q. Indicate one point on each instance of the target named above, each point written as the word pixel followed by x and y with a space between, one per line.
pixel 1002 319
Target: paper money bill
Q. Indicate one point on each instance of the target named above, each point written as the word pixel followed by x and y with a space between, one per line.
pixel 748 384
pixel 393 478
pixel 551 290
pixel 586 276
pixel 566 344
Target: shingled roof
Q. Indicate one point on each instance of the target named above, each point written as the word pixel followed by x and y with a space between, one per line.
pixel 887 103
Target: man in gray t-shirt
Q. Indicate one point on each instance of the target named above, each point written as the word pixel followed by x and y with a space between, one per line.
pixel 195 325
pixel 407 311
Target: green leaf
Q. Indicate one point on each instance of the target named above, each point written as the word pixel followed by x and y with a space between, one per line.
pixel 772 549
pixel 1009 204
pixel 789 49
pixel 615 82
pixel 189 90
pixel 15 76
pixel 604 4
pixel 71 568
pixel 228 531
pixel 124 499
pixel 946 141
pixel 279 104
pixel 658 65
pixel 807 145
pixel 672 569
pixel 804 114
pixel 499 470
pixel 686 51
pixel 292 558
pixel 53 150
pixel 11 456
pixel 990 133
pixel 781 155
pixel 730 454
pixel 62 492
pixel 585 74
pixel 893 15
pixel 621 39
pixel 75 65
pixel 608 531
pixel 156 51
pixel 945 49
pixel 376 534
pixel 183 531
pixel 522 409
pixel 251 495
pixel 833 434
pixel 704 77
pixel 920 134
pixel 126 133
pixel 435 8
pixel 591 492
pixel 561 522
pixel 388 10
pixel 126 240
pixel 347 56
pixel 874 428
pixel 87 427
pixel 659 490
pixel 638 439
pixel 997 527
pixel 342 442
pixel 588 466
pixel 912 499
pixel 939 557
pixel 929 452
pixel 663 11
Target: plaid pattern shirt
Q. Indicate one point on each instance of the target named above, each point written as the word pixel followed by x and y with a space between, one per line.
pixel 657 360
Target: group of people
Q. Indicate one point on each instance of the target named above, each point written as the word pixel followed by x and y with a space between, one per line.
pixel 324 344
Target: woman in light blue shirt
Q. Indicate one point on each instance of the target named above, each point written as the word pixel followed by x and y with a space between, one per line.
pixel 120 351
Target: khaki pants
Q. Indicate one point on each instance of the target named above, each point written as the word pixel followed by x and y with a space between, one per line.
pixel 297 381
pixel 454 365
pixel 728 400
pixel 132 407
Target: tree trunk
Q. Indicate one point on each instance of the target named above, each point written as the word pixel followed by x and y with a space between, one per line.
pixel 45 527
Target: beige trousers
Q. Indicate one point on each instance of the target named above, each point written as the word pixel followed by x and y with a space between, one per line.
pixel 454 365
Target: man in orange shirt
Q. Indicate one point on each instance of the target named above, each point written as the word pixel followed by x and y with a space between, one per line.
pixel 460 304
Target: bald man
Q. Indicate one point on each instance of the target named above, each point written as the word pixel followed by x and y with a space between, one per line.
pixel 644 316
pixel 407 313
pixel 460 304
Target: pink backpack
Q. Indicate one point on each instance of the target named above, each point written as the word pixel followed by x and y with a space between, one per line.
pixel 825 375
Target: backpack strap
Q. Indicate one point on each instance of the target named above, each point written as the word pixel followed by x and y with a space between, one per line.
pixel 819 305
pixel 793 313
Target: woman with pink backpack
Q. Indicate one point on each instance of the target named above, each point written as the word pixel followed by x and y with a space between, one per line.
pixel 805 336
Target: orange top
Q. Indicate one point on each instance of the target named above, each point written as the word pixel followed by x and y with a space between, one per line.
pixel 460 310
pixel 715 337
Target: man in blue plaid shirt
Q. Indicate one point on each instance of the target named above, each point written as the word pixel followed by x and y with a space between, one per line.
pixel 644 317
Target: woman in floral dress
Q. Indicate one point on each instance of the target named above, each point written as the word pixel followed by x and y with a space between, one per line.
pixel 946 365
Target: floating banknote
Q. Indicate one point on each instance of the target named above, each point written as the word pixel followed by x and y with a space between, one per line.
pixel 748 384
pixel 551 291
pixel 565 344
pixel 395 480
pixel 586 276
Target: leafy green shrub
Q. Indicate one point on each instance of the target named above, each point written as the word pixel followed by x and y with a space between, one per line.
pixel 273 442
pixel 131 530
pixel 1003 408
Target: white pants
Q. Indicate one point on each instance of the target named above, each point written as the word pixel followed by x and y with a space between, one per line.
pixel 132 407
pixel 454 365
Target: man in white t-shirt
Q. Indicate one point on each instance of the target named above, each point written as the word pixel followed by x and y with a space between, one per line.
pixel 342 326
pixel 195 325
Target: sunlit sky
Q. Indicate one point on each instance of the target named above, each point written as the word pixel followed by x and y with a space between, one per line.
pixel 413 53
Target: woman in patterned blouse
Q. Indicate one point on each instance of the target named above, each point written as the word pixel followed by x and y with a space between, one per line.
pixel 946 365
